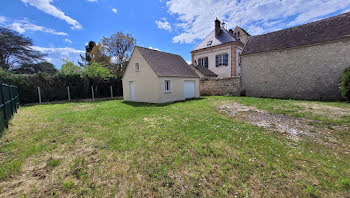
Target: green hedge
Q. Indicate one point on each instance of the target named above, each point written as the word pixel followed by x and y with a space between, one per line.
pixel 345 84
pixel 54 87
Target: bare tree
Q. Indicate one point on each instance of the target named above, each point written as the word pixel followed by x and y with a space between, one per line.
pixel 16 49
pixel 119 47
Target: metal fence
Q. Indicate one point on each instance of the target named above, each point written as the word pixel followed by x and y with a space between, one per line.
pixel 9 103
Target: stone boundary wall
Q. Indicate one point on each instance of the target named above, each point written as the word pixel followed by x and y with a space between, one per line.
pixel 306 72
pixel 220 86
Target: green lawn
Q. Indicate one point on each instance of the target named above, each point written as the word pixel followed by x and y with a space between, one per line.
pixel 185 149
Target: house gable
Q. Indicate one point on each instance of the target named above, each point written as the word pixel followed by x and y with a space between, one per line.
pixel 144 67
pixel 223 37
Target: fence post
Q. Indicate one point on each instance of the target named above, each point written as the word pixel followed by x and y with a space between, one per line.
pixel 39 95
pixel 4 104
pixel 9 88
pixel 68 93
pixel 92 93
pixel 111 92
pixel 15 97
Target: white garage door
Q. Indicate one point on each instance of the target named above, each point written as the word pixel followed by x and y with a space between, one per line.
pixel 189 89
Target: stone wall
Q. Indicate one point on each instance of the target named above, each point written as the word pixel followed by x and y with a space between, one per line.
pixel 307 72
pixel 220 86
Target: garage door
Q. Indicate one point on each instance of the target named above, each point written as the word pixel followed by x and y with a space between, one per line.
pixel 189 89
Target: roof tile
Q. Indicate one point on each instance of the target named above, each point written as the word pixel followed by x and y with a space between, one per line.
pixel 329 29
pixel 166 64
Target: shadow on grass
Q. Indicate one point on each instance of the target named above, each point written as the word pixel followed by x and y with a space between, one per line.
pixel 144 104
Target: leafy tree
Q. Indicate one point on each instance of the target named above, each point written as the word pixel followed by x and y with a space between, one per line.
pixel 98 55
pixel 87 59
pixel 345 84
pixel 69 68
pixel 43 67
pixel 98 73
pixel 119 48
pixel 16 49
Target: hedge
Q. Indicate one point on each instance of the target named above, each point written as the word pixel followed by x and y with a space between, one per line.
pixel 54 87
pixel 345 84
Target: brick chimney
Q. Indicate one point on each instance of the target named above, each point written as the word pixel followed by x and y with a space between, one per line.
pixel 217 27
pixel 231 32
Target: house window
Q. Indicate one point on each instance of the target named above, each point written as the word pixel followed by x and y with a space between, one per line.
pixel 137 67
pixel 203 62
pixel 167 86
pixel 221 60
pixel 209 43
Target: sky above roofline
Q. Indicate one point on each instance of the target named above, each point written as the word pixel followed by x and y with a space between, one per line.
pixel 61 28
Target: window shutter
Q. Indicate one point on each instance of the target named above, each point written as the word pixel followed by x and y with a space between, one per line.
pixel 206 62
pixel 217 60
pixel 226 59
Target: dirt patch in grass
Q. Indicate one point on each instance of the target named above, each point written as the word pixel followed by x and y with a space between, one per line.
pixel 332 112
pixel 293 128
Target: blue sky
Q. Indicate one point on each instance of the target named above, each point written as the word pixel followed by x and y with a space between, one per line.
pixel 61 28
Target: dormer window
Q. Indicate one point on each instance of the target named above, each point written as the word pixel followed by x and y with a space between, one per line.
pixel 137 67
pixel 209 43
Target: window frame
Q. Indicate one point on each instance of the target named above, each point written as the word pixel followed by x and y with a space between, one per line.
pixel 137 67
pixel 169 86
pixel 220 60
pixel 201 61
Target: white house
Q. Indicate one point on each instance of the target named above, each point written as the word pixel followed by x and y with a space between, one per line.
pixel 220 51
pixel 158 77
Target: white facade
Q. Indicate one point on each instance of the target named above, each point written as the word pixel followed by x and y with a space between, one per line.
pixel 143 85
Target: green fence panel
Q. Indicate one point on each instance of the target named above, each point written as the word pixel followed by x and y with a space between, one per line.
pixel 9 103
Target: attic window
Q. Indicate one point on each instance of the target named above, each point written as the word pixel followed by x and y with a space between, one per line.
pixel 209 43
pixel 137 67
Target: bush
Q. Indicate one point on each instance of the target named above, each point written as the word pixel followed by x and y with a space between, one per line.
pixel 54 87
pixel 345 84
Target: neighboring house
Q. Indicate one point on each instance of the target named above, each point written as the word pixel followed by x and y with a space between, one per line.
pixel 157 77
pixel 303 62
pixel 219 51
pixel 203 72
pixel 240 34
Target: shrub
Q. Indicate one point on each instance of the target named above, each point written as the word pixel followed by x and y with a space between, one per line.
pixel 345 84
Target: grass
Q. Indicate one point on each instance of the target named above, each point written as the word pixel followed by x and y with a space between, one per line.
pixel 186 149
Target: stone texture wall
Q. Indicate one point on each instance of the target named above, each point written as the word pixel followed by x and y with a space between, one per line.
pixel 220 86
pixel 308 72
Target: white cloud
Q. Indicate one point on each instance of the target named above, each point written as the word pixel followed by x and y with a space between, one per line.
pixel 21 26
pixel 67 40
pixel 62 51
pixel 3 19
pixel 55 55
pixel 195 19
pixel 45 6
pixel 163 24
pixel 153 48
pixel 48 59
pixel 114 10
pixel 92 0
pixel 348 10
